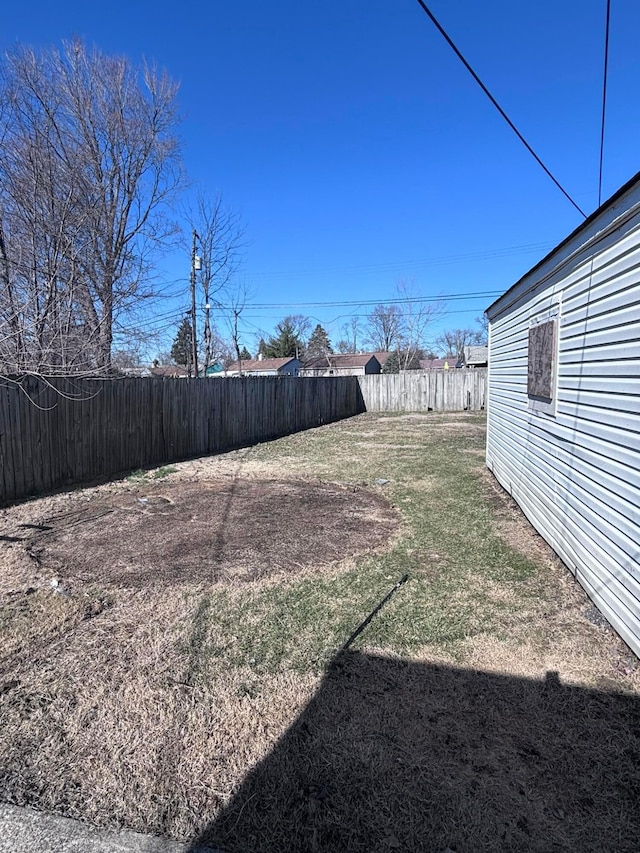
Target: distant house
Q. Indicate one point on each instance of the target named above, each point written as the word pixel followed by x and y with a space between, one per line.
pixel 347 364
pixel 382 357
pixel 263 367
pixel 476 356
pixel 138 372
pixel 173 371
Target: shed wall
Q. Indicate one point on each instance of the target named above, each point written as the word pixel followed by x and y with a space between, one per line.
pixel 574 469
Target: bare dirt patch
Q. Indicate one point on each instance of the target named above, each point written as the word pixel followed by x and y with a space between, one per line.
pixel 243 530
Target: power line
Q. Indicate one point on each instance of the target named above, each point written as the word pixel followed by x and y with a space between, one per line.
pixel 393 265
pixel 444 34
pixel 357 303
pixel 165 321
pixel 604 97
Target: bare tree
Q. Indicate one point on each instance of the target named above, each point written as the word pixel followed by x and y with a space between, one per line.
pixel 221 237
pixel 39 223
pixel 236 300
pixel 404 326
pixel 301 327
pixel 352 333
pixel 163 356
pixel 418 318
pixel 89 161
pixel 453 341
pixel 385 328
pixel 482 330
pixel 126 358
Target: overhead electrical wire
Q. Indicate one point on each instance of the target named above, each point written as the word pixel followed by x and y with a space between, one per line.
pixel 166 320
pixel 169 316
pixel 390 266
pixel 453 47
pixel 604 97
pixel 356 303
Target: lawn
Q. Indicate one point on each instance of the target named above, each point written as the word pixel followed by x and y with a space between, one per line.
pixel 170 655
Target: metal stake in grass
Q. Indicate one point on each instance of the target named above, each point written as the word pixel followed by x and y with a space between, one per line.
pixel 364 624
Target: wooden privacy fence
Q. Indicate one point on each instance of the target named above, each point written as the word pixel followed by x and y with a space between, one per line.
pixel 62 431
pixel 425 391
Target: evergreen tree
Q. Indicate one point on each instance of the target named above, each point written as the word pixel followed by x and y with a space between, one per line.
pixel 245 355
pixel 285 343
pixel 319 344
pixel 181 351
pixel 398 360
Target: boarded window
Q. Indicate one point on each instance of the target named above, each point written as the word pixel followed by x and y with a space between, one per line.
pixel 542 347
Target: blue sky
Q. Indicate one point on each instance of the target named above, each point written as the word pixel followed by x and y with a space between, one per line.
pixel 358 148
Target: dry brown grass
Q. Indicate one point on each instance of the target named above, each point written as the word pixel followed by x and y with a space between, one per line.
pixel 197 703
pixel 395 754
pixel 119 702
pixel 119 725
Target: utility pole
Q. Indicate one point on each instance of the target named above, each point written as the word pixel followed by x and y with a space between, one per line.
pixel 207 330
pixel 195 264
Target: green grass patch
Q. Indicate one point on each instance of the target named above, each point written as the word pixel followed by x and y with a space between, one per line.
pixel 451 550
pixel 139 476
pixel 164 471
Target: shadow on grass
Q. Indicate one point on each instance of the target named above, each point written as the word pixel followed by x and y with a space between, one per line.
pixel 396 755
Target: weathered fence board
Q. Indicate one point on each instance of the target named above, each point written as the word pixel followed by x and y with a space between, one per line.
pixel 425 391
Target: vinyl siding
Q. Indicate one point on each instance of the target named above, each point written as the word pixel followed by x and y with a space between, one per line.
pixel 575 470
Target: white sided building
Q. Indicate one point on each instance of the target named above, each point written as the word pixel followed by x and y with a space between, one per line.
pixel 564 404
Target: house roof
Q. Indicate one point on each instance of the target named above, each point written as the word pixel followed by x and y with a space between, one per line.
pixel 340 360
pixel 436 363
pixel 382 357
pixel 255 365
pixel 140 371
pixel 610 202
pixel 169 370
